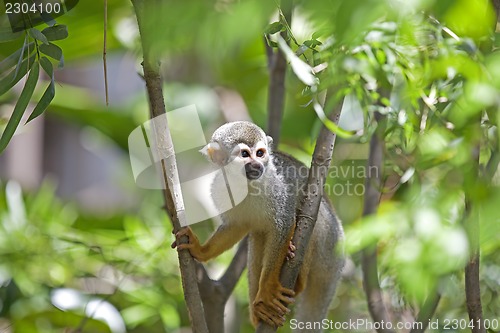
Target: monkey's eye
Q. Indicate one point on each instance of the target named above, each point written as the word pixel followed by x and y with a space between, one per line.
pixel 245 153
pixel 260 152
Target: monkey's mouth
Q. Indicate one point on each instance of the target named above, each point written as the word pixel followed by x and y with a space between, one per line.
pixel 253 171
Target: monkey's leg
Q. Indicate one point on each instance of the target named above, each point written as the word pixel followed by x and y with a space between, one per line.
pixel 224 238
pixel 255 250
pixel 272 298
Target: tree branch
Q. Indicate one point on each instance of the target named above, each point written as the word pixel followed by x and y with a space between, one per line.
pixel 157 108
pixel 426 313
pixel 369 265
pixel 473 294
pixel 472 285
pixel 277 71
pixel 215 293
pixel 308 207
pixel 236 268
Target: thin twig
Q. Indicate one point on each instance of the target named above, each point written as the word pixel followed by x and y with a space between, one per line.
pixel 104 50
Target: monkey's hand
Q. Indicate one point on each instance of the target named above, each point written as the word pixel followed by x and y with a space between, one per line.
pixel 270 305
pixel 193 244
pixel 291 251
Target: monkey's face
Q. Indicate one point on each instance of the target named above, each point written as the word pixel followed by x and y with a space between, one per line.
pixel 241 142
pixel 254 158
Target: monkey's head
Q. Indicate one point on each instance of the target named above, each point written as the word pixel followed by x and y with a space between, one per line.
pixel 241 141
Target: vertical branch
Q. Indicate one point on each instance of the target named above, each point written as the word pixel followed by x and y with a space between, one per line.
pixel 164 141
pixel 309 206
pixel 369 265
pixel 426 312
pixel 472 286
pixel 105 50
pixel 473 291
pixel 215 294
pixel 277 72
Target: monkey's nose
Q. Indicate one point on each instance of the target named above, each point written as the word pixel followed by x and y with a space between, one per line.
pixel 254 170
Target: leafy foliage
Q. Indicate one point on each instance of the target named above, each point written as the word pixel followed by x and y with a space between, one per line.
pixel 29 58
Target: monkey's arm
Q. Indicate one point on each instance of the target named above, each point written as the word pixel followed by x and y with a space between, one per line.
pixel 223 239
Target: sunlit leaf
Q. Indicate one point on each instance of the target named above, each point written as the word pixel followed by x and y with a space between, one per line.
pixel 303 71
pixel 471 18
pixel 274 28
pixel 407 175
pixel 334 128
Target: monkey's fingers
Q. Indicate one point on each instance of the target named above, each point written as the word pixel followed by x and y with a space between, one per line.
pixel 184 232
pixel 279 307
pixel 286 291
pixel 184 246
pixel 268 316
pixel 282 298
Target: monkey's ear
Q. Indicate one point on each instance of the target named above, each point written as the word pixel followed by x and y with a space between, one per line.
pixel 270 142
pixel 214 153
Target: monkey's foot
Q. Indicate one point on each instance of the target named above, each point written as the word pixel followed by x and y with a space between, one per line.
pixel 290 251
pixel 193 244
pixel 273 308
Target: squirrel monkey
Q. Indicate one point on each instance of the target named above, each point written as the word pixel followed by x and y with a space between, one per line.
pixel 267 214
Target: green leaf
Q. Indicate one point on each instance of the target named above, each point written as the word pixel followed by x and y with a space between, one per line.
pixel 274 28
pixel 21 58
pixel 312 43
pixel 302 69
pixel 37 34
pixel 20 107
pixel 56 32
pixel 52 51
pixel 47 67
pixel 15 75
pixel 334 128
pixel 49 93
pixel 44 102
